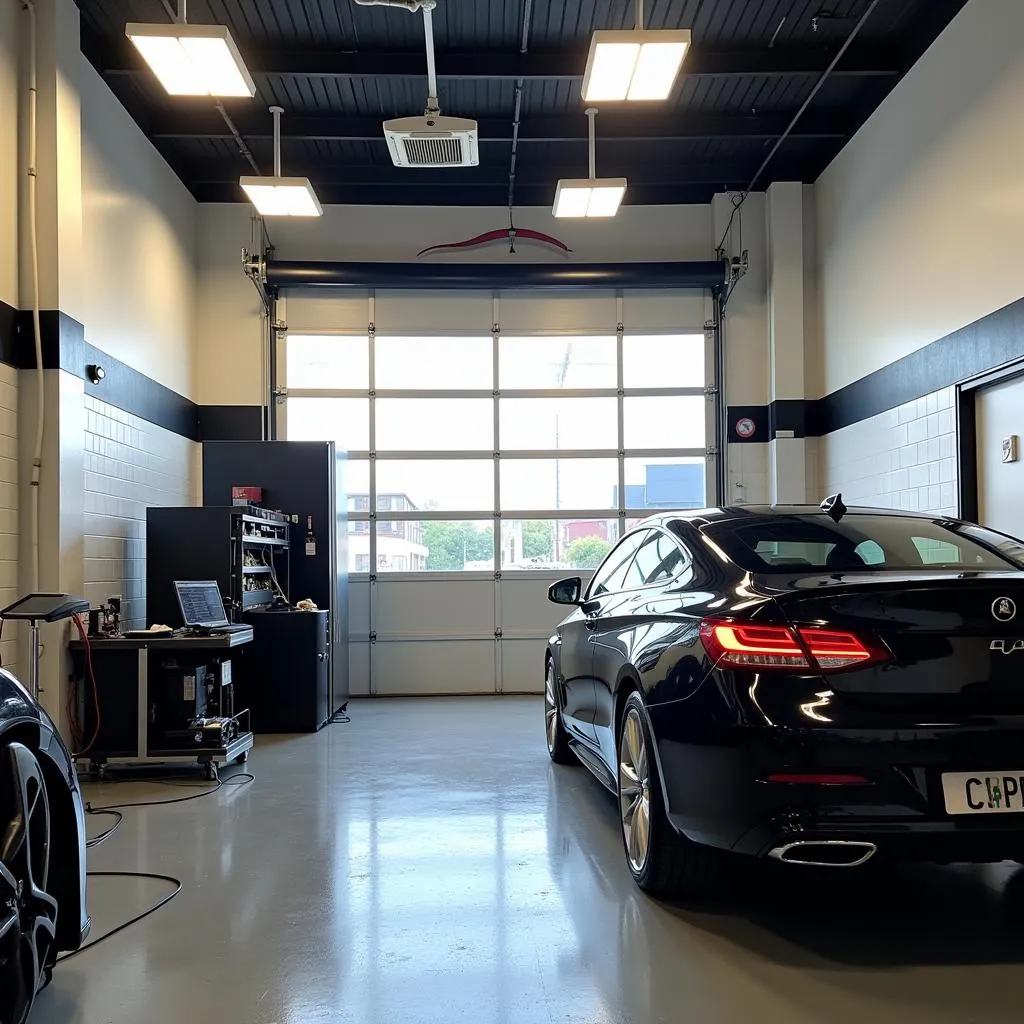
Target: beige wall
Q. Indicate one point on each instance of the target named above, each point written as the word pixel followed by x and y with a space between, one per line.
pixel 138 229
pixel 228 318
pixel 920 217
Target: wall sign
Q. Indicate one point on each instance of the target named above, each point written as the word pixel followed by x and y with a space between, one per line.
pixel 1010 448
pixel 745 427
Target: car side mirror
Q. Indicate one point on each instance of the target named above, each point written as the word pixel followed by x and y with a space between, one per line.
pixel 566 591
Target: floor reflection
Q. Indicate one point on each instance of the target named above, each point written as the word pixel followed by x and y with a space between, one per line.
pixel 427 863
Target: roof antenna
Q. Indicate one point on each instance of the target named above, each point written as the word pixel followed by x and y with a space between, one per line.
pixel 833 507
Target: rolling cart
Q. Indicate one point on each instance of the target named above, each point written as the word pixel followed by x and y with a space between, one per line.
pixel 149 693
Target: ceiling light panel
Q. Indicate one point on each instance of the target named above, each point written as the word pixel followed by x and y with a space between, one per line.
pixel 193 60
pixel 281 197
pixel 634 65
pixel 588 197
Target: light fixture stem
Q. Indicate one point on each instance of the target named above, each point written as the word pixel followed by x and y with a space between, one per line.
pixel 639 15
pixel 183 11
pixel 591 113
pixel 277 112
pixel 428 35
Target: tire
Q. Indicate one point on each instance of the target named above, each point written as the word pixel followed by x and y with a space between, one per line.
pixel 557 738
pixel 663 862
pixel 28 913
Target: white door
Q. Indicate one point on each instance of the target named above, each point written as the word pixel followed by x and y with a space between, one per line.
pixel 999 418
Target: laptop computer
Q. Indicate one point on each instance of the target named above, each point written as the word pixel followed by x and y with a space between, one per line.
pixel 202 607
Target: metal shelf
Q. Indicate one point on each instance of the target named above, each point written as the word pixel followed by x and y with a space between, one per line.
pixel 252 598
pixel 274 541
pixel 256 568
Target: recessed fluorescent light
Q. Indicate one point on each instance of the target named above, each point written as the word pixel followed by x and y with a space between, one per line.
pixel 634 65
pixel 588 197
pixel 193 60
pixel 274 196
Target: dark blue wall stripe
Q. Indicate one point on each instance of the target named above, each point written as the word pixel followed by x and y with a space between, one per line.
pixel 65 348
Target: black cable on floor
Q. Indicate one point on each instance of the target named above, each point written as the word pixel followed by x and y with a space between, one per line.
pixel 104 836
pixel 340 717
pixel 176 882
pixel 241 779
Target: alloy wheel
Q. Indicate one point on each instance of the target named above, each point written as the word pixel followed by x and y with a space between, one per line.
pixel 550 709
pixel 634 791
pixel 28 914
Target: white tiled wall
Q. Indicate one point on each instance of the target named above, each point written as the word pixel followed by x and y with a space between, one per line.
pixel 747 475
pixel 904 458
pixel 8 506
pixel 129 465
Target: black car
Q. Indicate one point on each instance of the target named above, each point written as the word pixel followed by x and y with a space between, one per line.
pixel 42 851
pixel 815 685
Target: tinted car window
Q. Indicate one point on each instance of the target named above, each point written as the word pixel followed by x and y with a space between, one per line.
pixel 612 571
pixel 657 561
pixel 859 543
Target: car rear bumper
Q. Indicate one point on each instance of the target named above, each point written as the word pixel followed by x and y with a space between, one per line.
pixel 717 789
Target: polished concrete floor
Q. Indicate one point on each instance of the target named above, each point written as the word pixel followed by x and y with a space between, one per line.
pixel 426 863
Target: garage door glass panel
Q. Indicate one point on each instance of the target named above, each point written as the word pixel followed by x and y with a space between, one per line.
pixel 445 485
pixel 557 362
pixel 435 424
pixel 442 364
pixel 556 543
pixel 343 420
pixel 327 361
pixel 559 483
pixel 664 422
pixel 663 483
pixel 434 545
pixel 663 361
pixel 531 424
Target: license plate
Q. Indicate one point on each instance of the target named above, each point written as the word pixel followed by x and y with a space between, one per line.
pixel 983 793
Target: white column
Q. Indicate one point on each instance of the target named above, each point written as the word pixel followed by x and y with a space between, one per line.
pixel 784 219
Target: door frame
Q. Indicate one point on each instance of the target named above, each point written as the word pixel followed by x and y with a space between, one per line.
pixel 967 432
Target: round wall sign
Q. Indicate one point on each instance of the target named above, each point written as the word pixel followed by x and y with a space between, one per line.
pixel 745 427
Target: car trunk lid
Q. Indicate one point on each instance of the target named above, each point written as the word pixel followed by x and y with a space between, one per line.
pixel 956 638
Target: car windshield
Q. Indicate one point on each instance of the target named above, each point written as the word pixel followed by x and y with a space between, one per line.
pixel 863 543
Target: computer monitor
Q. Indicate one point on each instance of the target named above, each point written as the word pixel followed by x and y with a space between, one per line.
pixel 200 603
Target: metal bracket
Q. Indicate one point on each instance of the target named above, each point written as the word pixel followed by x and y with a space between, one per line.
pixel 711 453
pixel 279 325
pixel 497 574
pixel 710 390
pixel 280 395
pixel 497 634
pixel 373 579
pixel 373 636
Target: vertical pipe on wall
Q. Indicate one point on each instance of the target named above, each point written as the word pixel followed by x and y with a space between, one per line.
pixel 271 396
pixel 721 420
pixel 33 235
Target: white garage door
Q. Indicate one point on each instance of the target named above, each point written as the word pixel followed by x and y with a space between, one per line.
pixel 496 444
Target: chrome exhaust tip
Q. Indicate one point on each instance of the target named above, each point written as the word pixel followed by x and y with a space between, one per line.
pixel 825 853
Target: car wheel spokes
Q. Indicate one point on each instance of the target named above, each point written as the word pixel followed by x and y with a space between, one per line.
pixel 28 914
pixel 550 711
pixel 634 791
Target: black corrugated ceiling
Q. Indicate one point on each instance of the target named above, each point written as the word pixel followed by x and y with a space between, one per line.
pixel 338 69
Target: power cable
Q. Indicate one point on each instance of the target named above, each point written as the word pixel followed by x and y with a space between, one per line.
pixel 104 836
pixel 176 882
pixel 241 779
pixel 796 117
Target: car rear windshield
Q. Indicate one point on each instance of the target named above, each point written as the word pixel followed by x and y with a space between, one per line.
pixel 862 543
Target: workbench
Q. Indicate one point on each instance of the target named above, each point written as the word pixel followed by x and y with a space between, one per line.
pixel 128 673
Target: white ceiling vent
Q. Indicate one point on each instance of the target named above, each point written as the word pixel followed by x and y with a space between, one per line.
pixel 432 142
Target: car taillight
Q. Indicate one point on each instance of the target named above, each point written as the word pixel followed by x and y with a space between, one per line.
pixel 801 648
